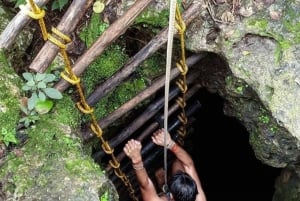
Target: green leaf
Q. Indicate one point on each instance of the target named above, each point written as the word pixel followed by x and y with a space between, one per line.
pixel 27 76
pixel 9 138
pixel 26 88
pixel 23 119
pixel 30 83
pixel 59 4
pixel 34 118
pixel 55 5
pixel 41 85
pixel 32 101
pixel 49 78
pixel 43 107
pixel 26 123
pixel 41 96
pixel 53 93
pixel 4 131
pixel 24 109
pixel 19 2
pixel 39 77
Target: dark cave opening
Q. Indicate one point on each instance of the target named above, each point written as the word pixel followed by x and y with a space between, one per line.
pixel 224 159
pixel 219 145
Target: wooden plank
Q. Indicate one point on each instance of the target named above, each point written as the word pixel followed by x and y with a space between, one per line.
pixel 67 25
pixel 15 26
pixel 106 38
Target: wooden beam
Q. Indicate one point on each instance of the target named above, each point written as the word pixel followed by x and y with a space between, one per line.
pixel 144 117
pixel 15 26
pixel 191 61
pixel 67 25
pixel 107 37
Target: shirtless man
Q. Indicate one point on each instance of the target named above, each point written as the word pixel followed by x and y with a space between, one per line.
pixel 184 185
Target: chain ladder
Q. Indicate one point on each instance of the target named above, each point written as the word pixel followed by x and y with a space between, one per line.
pixel 181 81
pixel 59 39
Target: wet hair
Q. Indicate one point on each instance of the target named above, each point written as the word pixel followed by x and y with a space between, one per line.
pixel 183 187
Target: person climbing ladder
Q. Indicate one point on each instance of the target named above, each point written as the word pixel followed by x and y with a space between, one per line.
pixel 184 183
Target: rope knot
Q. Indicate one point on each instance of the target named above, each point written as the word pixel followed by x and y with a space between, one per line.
pixel 114 163
pixel 97 130
pixel 36 13
pixel 71 78
pixel 182 67
pixel 84 107
pixel 58 38
pixel 106 148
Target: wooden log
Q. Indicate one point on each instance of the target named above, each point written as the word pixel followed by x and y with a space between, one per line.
pixel 150 129
pixel 148 148
pixel 156 43
pixel 141 119
pixel 132 103
pixel 195 106
pixel 126 107
pixel 191 61
pixel 67 25
pixel 15 26
pixel 106 38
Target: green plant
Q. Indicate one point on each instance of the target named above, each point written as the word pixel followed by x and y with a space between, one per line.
pixel 104 197
pixel 39 85
pixel 19 2
pixel 31 116
pixel 59 4
pixel 8 136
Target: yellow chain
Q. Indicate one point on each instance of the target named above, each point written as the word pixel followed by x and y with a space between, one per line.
pixel 181 82
pixel 59 40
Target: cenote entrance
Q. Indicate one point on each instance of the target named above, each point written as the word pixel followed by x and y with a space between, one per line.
pixel 225 161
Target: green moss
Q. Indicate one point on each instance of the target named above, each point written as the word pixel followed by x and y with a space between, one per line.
pixel 119 96
pixel 90 33
pixel 110 61
pixel 67 112
pixel 51 143
pixel 239 89
pixel 152 67
pixel 9 96
pixel 257 24
pixel 264 119
pixel 286 32
pixel 153 18
pixel 77 165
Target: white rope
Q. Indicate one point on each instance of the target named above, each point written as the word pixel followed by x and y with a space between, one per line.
pixel 167 81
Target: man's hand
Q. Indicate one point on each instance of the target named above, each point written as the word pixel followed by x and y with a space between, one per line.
pixel 133 150
pixel 159 136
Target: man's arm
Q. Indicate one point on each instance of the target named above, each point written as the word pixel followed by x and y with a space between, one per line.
pixel 180 153
pixel 133 150
pixel 189 168
pixel 183 157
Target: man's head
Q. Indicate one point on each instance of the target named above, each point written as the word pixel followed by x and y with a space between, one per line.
pixel 183 187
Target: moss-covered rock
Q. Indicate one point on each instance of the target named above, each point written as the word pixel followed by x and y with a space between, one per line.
pixel 53 164
pixel 261 46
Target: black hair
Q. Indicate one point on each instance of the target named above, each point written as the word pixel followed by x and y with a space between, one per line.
pixel 183 187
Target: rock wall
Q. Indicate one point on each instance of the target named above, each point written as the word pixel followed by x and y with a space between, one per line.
pixel 259 41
